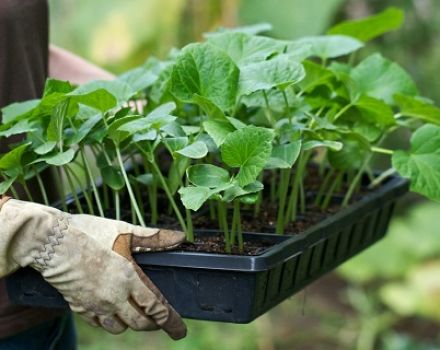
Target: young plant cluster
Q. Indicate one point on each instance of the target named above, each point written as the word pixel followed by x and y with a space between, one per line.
pixel 217 122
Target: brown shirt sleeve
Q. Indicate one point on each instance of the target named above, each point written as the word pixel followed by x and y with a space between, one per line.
pixel 23 70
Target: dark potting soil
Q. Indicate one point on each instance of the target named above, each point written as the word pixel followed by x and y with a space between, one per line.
pixel 216 244
pixel 262 221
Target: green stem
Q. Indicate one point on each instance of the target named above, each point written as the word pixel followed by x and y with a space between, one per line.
pixel 41 185
pixel 60 188
pixel 342 111
pixel 14 192
pixel 151 160
pixel 296 187
pixel 83 190
pixel 381 150
pixel 378 180
pixel 27 191
pixel 355 181
pixel 287 107
pixel 331 191
pixel 268 111
pixel 129 188
pixel 73 191
pixel 223 211
pixel 284 187
pixel 236 222
pixel 92 181
pixel 117 205
pixel 324 186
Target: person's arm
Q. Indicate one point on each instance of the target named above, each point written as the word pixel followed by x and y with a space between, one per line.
pixel 65 65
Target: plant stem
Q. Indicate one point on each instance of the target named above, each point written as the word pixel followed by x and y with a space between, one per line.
pixel 117 205
pixel 342 111
pixel 287 107
pixel 355 181
pixel 292 207
pixel 284 187
pixel 324 186
pixel 41 185
pixel 73 191
pixel 83 190
pixel 223 211
pixel 381 150
pixel 92 181
pixel 331 191
pixel 128 185
pixel 27 191
pixel 151 160
pixel 378 180
pixel 236 223
pixel 60 188
pixel 268 111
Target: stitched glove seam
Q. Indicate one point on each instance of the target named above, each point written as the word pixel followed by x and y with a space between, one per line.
pixel 53 239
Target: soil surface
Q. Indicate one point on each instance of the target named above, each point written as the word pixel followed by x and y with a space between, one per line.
pixel 262 221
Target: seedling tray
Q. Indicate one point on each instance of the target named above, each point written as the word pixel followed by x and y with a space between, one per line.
pixel 238 289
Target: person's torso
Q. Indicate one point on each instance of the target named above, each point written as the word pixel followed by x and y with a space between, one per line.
pixel 23 70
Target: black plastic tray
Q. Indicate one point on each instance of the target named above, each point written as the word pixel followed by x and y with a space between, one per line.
pixel 238 289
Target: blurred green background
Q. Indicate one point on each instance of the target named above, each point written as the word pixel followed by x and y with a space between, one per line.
pixel 386 298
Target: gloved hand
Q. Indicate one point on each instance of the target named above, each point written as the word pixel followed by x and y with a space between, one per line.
pixel 88 259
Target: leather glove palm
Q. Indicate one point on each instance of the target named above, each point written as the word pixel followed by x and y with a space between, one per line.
pixel 88 259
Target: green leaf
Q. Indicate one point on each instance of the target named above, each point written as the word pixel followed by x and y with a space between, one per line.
pixel 174 129
pixel 196 150
pixel 99 99
pixel 138 78
pixel 112 177
pixel 17 110
pixel 116 131
pixel 333 145
pixel 421 164
pixel 210 108
pixel 59 159
pixel 371 27
pixel 45 148
pixel 85 128
pixel 252 29
pixel 13 158
pixel 207 175
pixel 207 71
pixel 193 197
pixel 235 191
pixel 236 123
pixel 218 130
pixel 315 75
pixel 246 49
pixel 352 155
pixel 329 46
pixel 6 184
pixel 91 91
pixel 376 111
pixel 284 156
pixel 176 143
pixel 20 127
pixel 249 149
pixel 380 78
pixel 281 71
pixel 57 86
pixel 146 179
pixel 416 108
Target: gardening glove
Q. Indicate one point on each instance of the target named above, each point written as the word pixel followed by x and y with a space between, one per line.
pixel 88 260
